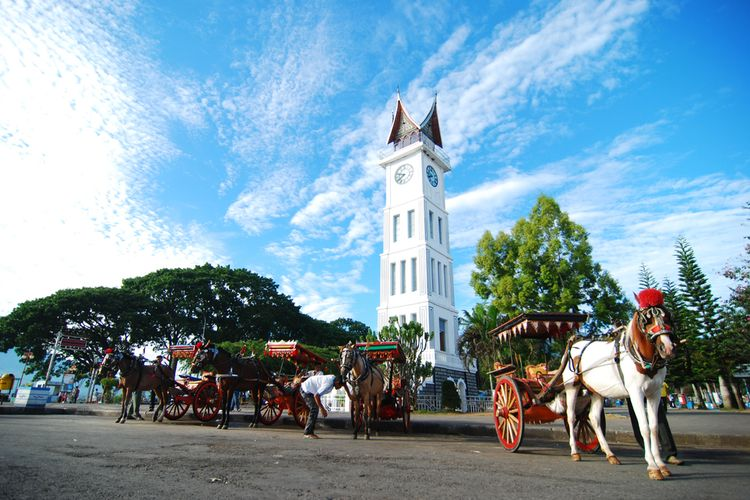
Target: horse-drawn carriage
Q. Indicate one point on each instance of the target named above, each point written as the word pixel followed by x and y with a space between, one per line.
pixel 396 403
pixel 202 394
pixel 520 400
pixel 284 393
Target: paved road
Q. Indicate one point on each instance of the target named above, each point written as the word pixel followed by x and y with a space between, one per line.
pixel 713 429
pixel 90 457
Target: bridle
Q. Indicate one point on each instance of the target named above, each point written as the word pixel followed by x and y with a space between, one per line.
pixel 650 322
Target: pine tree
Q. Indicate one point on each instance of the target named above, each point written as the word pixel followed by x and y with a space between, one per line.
pixel 645 278
pixel 695 289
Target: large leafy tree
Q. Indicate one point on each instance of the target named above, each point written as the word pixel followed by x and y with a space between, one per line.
pixel 219 303
pixel 545 264
pixel 106 317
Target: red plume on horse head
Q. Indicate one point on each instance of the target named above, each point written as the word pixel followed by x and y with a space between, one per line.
pixel 650 297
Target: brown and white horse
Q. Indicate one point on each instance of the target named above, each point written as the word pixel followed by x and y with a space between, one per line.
pixel 233 374
pixel 632 366
pixel 136 376
pixel 368 384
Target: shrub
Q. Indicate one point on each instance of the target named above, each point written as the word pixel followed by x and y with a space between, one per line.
pixel 450 398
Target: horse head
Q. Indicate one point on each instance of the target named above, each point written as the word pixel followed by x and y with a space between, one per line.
pixel 107 366
pixel 203 354
pixel 652 327
pixel 347 359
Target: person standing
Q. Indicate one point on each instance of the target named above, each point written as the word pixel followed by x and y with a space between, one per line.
pixel 311 390
pixel 667 445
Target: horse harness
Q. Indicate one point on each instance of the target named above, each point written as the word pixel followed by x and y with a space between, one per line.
pixel 624 343
pixel 366 372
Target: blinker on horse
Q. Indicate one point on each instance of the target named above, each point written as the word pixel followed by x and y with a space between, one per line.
pixel 633 366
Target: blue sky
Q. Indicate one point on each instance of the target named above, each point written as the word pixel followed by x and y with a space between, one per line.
pixel 141 135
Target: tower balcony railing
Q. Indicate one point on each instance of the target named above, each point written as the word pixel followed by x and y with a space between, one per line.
pixel 413 138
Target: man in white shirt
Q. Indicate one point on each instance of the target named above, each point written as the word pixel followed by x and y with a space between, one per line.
pixel 312 389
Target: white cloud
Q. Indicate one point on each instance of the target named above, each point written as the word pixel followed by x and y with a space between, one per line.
pixel 81 133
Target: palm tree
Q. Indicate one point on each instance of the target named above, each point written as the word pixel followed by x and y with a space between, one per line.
pixel 476 343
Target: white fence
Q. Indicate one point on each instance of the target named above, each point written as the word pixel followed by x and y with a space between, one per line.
pixel 474 404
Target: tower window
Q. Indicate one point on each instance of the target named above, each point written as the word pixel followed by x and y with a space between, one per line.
pixel 433 287
pixel 431 216
pixel 445 279
pixel 440 229
pixel 413 274
pixel 414 317
pixel 410 223
pixel 403 319
pixel 393 278
pixel 403 276
pixel 440 279
pixel 442 324
pixel 395 227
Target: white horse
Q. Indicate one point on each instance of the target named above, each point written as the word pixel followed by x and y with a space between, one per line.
pixel 633 366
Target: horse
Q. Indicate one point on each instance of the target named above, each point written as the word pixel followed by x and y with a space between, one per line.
pixel 632 365
pixel 368 384
pixel 234 374
pixel 135 376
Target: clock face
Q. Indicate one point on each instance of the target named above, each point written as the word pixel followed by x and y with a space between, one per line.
pixel 432 176
pixel 404 173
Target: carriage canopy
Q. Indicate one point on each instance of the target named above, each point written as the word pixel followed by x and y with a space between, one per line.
pixel 382 351
pixel 540 325
pixel 293 351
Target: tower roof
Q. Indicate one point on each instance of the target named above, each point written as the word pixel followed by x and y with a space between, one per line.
pixel 431 126
pixel 404 124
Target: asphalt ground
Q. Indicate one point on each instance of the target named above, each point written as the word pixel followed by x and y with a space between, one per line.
pixel 691 428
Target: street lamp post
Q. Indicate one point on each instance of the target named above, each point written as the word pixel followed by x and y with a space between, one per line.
pixel 26 357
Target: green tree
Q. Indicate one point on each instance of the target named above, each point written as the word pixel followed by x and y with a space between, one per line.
pixel 476 343
pixel 414 340
pixel 545 264
pixel 351 329
pixel 646 278
pixel 217 303
pixel 106 317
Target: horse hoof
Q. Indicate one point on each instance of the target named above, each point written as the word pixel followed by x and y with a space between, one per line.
pixel 664 471
pixel 576 457
pixel 655 474
pixel 613 460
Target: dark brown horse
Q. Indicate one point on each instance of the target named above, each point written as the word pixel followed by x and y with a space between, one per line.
pixel 137 376
pixel 234 373
pixel 368 384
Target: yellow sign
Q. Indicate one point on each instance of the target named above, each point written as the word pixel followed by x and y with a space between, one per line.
pixel 7 381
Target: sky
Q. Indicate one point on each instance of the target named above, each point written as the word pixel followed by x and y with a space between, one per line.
pixel 136 136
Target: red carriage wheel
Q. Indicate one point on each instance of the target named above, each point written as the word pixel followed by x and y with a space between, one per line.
pixel 508 413
pixel 270 406
pixel 206 402
pixel 586 440
pixel 300 410
pixel 406 410
pixel 178 402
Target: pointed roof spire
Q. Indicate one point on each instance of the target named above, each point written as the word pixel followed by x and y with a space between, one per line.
pixel 431 126
pixel 403 124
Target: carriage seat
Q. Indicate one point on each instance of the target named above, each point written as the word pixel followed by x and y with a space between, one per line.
pixel 537 371
pixel 501 369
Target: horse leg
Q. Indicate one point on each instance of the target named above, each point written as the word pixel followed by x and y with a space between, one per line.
pixel 161 393
pixel 595 412
pixel 368 415
pixel 376 424
pixel 649 431
pixel 356 411
pixel 227 393
pixel 652 409
pixel 257 395
pixel 571 394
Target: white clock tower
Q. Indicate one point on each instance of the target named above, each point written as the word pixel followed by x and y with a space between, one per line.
pixel 416 269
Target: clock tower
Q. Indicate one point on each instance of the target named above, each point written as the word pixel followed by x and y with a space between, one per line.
pixel 416 269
